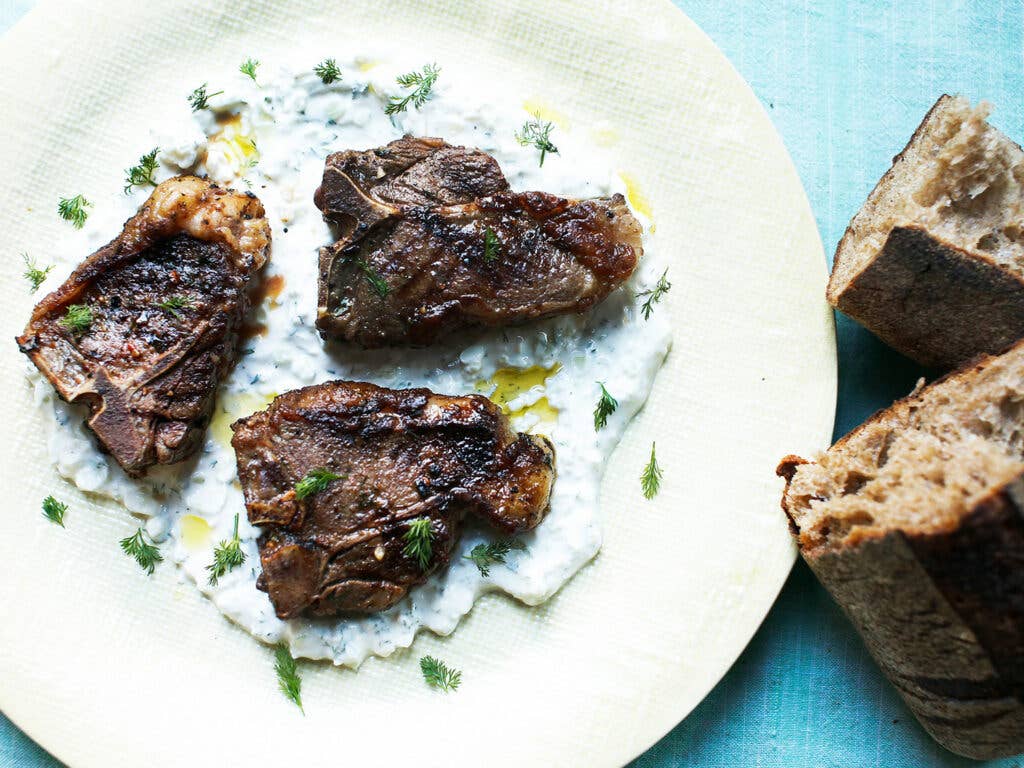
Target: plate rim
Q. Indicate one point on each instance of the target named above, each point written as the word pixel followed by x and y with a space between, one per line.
pixel 30 729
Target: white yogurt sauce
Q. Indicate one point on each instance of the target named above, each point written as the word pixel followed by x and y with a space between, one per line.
pixel 295 122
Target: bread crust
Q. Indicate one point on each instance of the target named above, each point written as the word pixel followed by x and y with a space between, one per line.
pixel 936 303
pixel 929 299
pixel 942 611
pixel 943 616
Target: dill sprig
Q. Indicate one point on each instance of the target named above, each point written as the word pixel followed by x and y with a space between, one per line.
pixel 328 71
pixel 248 68
pixel 379 284
pixel 537 133
pixel 315 481
pixel 650 480
pixel 492 245
pixel 174 305
pixel 142 173
pixel 200 99
pixel 146 554
pixel 227 556
pixel 440 675
pixel 421 84
pixel 419 541
pixel 54 510
pixel 33 273
pixel 73 209
pixel 655 294
pixel 77 319
pixel 606 406
pixel 486 555
pixel 288 675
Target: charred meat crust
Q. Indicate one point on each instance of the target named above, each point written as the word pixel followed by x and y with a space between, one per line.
pixel 359 186
pixel 419 226
pixel 399 455
pixel 149 373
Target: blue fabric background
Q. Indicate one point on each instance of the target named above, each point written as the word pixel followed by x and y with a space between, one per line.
pixel 845 83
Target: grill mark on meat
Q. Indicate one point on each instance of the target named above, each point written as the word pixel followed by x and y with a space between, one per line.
pixel 421 227
pixel 400 454
pixel 149 376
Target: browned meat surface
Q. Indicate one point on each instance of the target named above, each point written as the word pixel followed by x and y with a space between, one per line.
pixel 399 455
pixel 164 300
pixel 359 187
pixel 413 263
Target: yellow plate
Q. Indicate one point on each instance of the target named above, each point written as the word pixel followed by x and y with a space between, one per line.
pixel 105 667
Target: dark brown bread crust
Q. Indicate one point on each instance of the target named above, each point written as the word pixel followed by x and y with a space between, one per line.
pixel 942 613
pixel 934 302
pixel 927 298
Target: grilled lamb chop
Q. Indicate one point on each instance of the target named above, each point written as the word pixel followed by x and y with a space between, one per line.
pixel 432 240
pixel 398 455
pixel 157 310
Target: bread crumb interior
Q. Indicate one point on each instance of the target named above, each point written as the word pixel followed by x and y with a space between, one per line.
pixel 922 466
pixel 960 178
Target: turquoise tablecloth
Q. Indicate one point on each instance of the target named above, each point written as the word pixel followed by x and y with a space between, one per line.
pixel 845 83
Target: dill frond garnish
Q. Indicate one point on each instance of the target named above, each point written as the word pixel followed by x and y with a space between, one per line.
pixel 146 553
pixel 328 71
pixel 315 481
pixel 420 82
pixel 606 406
pixel 227 556
pixel 379 284
pixel 77 319
pixel 54 510
pixel 655 294
pixel 419 541
pixel 537 133
pixel 492 245
pixel 200 99
pixel 486 555
pixel 174 305
pixel 248 68
pixel 33 273
pixel 440 675
pixel 73 209
pixel 650 480
pixel 288 679
pixel 142 173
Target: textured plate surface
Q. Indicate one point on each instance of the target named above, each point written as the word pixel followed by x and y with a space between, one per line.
pixel 105 667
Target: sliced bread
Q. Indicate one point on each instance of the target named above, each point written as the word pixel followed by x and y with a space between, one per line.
pixel 915 524
pixel 933 264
